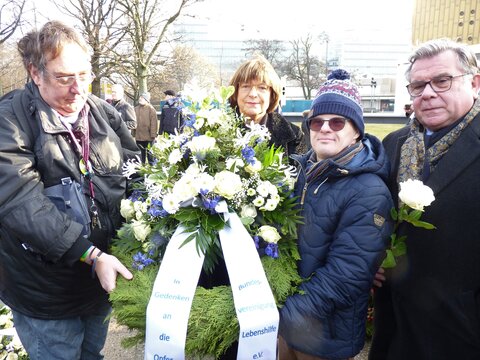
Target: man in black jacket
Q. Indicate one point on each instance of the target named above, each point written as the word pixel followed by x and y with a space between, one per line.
pixel 60 146
pixel 429 307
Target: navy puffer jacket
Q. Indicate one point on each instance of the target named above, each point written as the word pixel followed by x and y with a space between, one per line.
pixel 347 227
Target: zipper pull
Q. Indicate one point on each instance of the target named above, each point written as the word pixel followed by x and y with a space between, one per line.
pixel 304 191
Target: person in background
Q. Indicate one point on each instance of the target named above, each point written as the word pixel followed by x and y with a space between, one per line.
pixel 147 124
pixel 53 275
pixel 257 94
pixel 408 108
pixel 345 204
pixel 428 308
pixel 171 118
pixel 124 108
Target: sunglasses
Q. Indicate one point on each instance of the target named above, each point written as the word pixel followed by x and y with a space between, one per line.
pixel 336 123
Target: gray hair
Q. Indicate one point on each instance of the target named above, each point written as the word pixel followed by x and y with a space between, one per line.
pixel 466 57
pixel 37 47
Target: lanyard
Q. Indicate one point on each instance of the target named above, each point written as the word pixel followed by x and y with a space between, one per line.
pixel 83 148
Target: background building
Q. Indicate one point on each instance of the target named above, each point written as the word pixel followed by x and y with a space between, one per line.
pixel 455 19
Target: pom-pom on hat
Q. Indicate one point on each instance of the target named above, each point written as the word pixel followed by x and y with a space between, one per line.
pixel 338 95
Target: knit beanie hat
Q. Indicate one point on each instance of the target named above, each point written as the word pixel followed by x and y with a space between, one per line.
pixel 146 96
pixel 338 95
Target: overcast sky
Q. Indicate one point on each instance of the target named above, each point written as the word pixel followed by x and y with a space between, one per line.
pixel 294 18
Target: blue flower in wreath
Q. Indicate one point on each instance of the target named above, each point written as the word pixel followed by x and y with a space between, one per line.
pixel 272 250
pixel 156 209
pixel 141 260
pixel 249 155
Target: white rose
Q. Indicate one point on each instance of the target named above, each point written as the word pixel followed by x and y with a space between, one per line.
pixel 227 184
pixel 200 145
pixel 185 189
pixel 126 209
pixel 255 168
pixel 248 210
pixel 415 194
pixel 140 230
pixel 269 234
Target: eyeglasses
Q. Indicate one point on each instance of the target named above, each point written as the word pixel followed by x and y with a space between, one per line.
pixel 336 123
pixel 438 84
pixel 69 80
pixel 261 88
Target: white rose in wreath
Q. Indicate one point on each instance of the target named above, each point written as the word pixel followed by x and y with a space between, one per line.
pixel 227 184
pixel 269 234
pixel 415 194
pixel 140 230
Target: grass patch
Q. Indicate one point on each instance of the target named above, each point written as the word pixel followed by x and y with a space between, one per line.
pixel 381 130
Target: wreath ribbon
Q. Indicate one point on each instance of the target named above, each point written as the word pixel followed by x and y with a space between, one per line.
pixel 175 285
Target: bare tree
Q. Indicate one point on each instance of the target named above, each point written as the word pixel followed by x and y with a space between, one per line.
pixel 148 22
pixel 11 12
pixel 304 67
pixel 272 50
pixel 100 24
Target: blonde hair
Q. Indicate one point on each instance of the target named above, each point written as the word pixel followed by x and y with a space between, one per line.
pixel 257 69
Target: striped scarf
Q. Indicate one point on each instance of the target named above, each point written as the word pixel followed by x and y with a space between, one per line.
pixel 317 168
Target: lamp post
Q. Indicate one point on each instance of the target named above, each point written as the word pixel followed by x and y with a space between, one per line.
pixel 373 85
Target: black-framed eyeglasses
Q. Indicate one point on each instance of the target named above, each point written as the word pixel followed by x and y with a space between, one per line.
pixel 336 123
pixel 69 80
pixel 438 84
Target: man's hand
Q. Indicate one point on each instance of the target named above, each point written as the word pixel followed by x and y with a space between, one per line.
pixel 107 269
pixel 379 278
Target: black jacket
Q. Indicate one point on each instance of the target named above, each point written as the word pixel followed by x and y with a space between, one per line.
pixel 127 113
pixel 429 308
pixel 36 152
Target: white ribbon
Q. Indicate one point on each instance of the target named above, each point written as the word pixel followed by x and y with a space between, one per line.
pixel 254 302
pixel 171 300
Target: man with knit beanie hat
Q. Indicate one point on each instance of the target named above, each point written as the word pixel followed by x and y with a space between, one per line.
pixel 147 124
pixel 346 206
pixel 338 95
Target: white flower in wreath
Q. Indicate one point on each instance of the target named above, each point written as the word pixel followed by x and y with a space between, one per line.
pixel 175 156
pixel 126 209
pixel 163 143
pixel 264 188
pixel 140 209
pixel 249 211
pixel 269 234
pixel 201 145
pixel 270 205
pixel 234 164
pixel 255 167
pixel 185 188
pixel 214 117
pixel 204 181
pixel 170 203
pixel 258 201
pixel 227 184
pixel 415 194
pixel 140 230
pixel 251 192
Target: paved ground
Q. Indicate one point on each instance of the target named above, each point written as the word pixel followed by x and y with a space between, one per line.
pixel 114 351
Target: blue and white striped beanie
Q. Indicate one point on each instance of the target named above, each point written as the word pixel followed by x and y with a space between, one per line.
pixel 338 95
